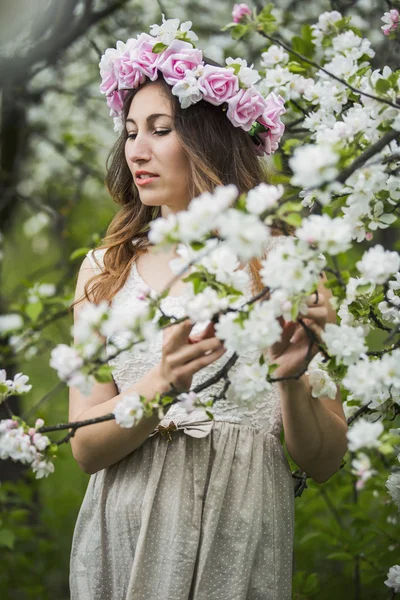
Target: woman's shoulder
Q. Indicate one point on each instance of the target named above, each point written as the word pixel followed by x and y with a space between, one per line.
pixel 96 258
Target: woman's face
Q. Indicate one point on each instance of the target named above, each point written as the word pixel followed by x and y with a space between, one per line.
pixel 153 146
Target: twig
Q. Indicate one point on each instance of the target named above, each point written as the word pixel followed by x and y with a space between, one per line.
pixel 317 66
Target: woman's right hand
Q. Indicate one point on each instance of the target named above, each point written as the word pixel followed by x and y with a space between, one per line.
pixel 183 356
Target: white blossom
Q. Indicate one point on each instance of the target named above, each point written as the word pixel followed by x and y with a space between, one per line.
pixel 364 434
pixel 10 322
pixel 128 410
pixel 344 342
pixel 169 29
pixel 42 468
pixel 187 401
pixel 249 382
pixel 291 266
pixel 65 360
pixel 245 234
pixel 187 90
pixel 393 577
pixel 225 265
pixel 19 385
pixel 393 485
pixel 162 229
pixel 273 56
pixel 202 306
pixel 330 235
pixel 263 197
pixel 312 165
pixel 378 264
pixel 247 75
pixel 320 381
pixel 361 468
pixel 32 226
pixel 39 290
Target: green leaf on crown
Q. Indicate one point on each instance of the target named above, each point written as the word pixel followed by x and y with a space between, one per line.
pixel 159 47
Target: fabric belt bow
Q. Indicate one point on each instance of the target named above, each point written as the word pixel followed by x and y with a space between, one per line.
pixel 196 424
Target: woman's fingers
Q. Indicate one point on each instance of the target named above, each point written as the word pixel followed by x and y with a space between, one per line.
pixel 193 351
pixel 288 330
pixel 205 360
pixel 176 335
pixel 208 332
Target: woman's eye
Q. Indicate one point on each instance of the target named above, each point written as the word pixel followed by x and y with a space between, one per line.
pixel 132 136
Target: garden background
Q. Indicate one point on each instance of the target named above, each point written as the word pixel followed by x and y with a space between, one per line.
pixel 55 136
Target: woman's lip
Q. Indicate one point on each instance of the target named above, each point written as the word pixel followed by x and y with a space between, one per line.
pixel 145 180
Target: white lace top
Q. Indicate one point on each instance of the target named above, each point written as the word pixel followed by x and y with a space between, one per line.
pixel 129 367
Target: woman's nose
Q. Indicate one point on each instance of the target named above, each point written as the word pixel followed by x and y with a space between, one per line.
pixel 139 149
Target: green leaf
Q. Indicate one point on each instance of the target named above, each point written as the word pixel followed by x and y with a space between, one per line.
pixel 382 86
pixel 293 219
pixel 33 310
pixel 266 20
pixel 295 67
pixel 197 245
pixel 290 145
pixel 79 252
pixel 7 538
pixel 103 374
pixel 311 585
pixel 288 207
pixel 302 46
pixel 307 34
pixel 240 31
pixel 210 415
pixel 159 47
pixel 340 556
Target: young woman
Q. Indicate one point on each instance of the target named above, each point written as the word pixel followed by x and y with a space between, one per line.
pixel 207 515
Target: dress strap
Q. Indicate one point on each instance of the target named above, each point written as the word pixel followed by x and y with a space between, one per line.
pixel 96 259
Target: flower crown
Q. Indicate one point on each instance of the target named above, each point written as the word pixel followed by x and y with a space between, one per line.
pixel 169 49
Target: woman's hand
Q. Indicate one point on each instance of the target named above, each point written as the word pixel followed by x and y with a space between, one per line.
pixel 292 352
pixel 183 356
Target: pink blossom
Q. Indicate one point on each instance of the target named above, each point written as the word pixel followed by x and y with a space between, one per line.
pixel 109 83
pixel 179 57
pixel 218 84
pixel 115 101
pixel 239 11
pixel 391 19
pixel 143 58
pixel 129 74
pixel 245 107
pixel 271 120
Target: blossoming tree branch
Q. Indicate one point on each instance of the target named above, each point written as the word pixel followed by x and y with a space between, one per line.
pixel 336 182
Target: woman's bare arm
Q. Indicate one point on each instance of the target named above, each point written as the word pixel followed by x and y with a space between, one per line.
pixel 100 445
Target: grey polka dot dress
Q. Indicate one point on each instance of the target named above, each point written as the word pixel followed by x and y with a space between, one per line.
pixel 206 515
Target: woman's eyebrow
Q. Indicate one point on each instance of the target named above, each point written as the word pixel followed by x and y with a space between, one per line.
pixel 150 118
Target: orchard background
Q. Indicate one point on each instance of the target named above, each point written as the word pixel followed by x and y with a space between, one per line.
pixel 55 136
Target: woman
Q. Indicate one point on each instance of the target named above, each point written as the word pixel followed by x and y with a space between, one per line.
pixel 209 514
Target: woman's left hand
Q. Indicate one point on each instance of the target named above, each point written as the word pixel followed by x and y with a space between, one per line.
pixel 293 352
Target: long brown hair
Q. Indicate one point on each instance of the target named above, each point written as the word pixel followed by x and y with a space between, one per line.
pixel 218 153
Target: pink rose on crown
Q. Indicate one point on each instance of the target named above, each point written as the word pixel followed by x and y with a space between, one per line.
pixel 115 101
pixel 270 119
pixel 143 58
pixel 129 75
pixel 109 82
pixel 179 57
pixel 218 84
pixel 246 107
